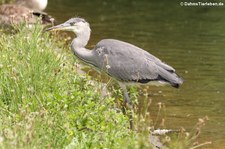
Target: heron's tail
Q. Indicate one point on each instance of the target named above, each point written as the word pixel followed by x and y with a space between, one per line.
pixel 170 77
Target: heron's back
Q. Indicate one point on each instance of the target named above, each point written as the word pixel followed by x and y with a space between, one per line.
pixel 129 63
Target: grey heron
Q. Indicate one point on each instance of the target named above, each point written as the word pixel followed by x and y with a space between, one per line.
pixel 24 10
pixel 123 61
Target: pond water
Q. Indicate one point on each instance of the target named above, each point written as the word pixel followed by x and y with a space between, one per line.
pixel 191 39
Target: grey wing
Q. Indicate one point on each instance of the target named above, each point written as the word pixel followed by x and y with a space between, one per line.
pixel 127 62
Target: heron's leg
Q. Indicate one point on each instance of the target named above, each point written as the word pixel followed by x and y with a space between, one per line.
pixel 126 96
pixel 128 104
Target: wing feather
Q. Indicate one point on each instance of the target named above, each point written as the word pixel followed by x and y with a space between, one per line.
pixel 127 62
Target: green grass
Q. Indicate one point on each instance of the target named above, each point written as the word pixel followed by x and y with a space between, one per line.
pixel 6 1
pixel 46 103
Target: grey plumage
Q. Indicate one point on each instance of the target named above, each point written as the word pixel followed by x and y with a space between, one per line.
pixel 127 62
pixel 121 60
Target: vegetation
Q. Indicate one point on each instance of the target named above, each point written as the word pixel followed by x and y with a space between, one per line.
pixel 45 103
pixel 6 1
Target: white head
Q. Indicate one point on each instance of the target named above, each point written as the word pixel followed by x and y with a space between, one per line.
pixel 77 25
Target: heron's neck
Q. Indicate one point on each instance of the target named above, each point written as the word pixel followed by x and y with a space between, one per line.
pixel 81 40
pixel 78 47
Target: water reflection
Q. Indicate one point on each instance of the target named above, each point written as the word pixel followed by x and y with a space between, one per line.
pixel 191 39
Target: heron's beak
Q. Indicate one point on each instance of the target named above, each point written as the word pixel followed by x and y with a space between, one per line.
pixel 63 26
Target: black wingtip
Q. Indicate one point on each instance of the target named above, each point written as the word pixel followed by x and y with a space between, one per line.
pixel 176 85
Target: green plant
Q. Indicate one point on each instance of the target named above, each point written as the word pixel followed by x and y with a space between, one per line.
pixel 46 103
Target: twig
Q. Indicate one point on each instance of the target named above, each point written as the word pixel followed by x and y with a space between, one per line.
pixel 163 131
pixel 206 143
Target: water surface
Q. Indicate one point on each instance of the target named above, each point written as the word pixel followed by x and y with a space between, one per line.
pixel 191 39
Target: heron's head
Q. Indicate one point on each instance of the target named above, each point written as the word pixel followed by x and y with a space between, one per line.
pixel 76 25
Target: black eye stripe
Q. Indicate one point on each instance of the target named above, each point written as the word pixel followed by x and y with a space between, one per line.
pixel 72 23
